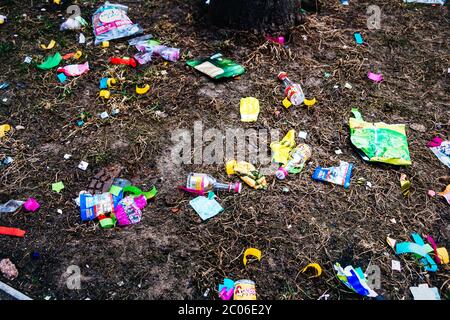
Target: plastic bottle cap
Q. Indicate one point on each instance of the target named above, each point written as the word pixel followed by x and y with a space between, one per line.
pixel 281 173
pixel 238 187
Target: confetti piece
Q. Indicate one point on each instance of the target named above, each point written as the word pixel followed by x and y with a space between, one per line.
pixel 396 265
pixel 405 184
pixel 286 103
pixel 14 232
pixel 4 128
pixel 143 90
pixel 62 77
pixel 51 45
pixel 105 94
pixel 375 77
pixel 251 252
pixel 31 205
pixel 58 186
pixel 105 44
pixel 83 165
pixel 310 103
pixel 315 266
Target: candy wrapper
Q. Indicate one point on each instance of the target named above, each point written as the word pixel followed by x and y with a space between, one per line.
pixel 354 279
pixel 441 149
pixel 379 142
pixel 337 175
pixel 92 206
pixel 129 210
pixel 74 70
pixel 248 173
pixel 110 21
pixel 217 67
pixel 281 149
pixel 149 48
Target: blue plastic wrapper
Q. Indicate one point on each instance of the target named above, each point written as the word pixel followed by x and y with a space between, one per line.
pixel 337 175
pixel 92 206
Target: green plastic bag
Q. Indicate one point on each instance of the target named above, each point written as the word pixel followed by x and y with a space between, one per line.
pixel 379 142
pixel 51 62
pixel 217 67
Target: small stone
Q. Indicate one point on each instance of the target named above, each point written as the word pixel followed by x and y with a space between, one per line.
pixel 418 127
pixel 19 127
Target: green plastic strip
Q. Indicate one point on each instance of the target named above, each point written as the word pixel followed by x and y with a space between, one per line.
pixel 51 62
pixel 357 114
pixel 135 191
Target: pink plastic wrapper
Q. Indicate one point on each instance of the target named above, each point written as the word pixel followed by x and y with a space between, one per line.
pixel 74 70
pixel 8 269
pixel 128 211
pixel 31 205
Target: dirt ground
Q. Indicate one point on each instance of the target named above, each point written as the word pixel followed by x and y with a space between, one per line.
pixel 172 254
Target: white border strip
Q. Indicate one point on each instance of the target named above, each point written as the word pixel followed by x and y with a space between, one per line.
pixel 13 292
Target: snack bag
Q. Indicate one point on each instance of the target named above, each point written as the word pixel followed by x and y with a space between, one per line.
pixel 379 142
pixel 248 173
pixel 128 211
pixel 281 149
pixel 92 206
pixel 217 67
pixel 441 149
pixel 337 175
pixel 110 21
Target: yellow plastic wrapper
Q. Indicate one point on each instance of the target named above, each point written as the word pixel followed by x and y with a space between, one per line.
pixel 281 149
pixel 248 173
pixel 3 129
pixel 249 109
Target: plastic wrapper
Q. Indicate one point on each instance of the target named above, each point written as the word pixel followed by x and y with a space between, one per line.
pixel 92 206
pixel 129 210
pixel 379 142
pixel 338 175
pixel 217 67
pixel 248 173
pixel 441 149
pixel 110 22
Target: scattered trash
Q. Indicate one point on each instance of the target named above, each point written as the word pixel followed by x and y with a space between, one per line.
pixel 62 77
pixel 358 38
pixel 8 269
pixel 73 24
pixel 441 149
pixel 2 19
pixel 13 232
pixel 248 173
pixel 281 149
pixel 74 70
pixel 375 77
pixel 106 83
pixel 57 187
pixel 6 161
pixel 31 205
pixel 279 40
pixel 148 47
pixel 431 193
pixel 27 60
pixel 201 183
pixel 104 114
pixel 355 280
pixel 338 175
pixel 83 165
pixel 338 151
pixel 446 194
pixel 206 207
pixel 51 45
pixel 293 91
pixel 379 142
pixel 251 252
pixel 244 290
pixel 315 266
pixel 345 2
pixel 348 86
pixel 11 206
pixel 249 108
pixel 76 55
pixel 298 157
pixel 125 61
pixel 418 247
pixel 226 290
pixel 4 128
pixel 423 292
pixel 81 39
pixel 67 156
pixel 50 62
pixel 396 265
pixel 142 90
pixel 217 67
pixel 105 44
pixel 129 210
pixel 104 94
pixel 93 206
pixel 110 21
pixel 405 184
pixel 4 85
